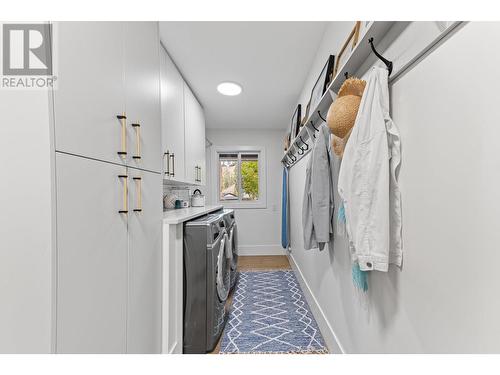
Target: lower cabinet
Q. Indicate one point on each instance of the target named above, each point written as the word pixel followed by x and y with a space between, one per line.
pixel 144 258
pixel 108 257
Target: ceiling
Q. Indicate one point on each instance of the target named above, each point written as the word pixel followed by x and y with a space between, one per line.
pixel 271 60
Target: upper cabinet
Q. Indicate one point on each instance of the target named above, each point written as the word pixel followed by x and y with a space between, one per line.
pixel 107 99
pixel 183 127
pixel 142 95
pixel 172 117
pixel 90 89
pixel 195 138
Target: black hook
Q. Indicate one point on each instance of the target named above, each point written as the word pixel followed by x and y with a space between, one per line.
pixel 321 117
pixel 387 63
pixel 346 75
pixel 294 158
pixel 312 124
pixel 305 144
pixel 301 150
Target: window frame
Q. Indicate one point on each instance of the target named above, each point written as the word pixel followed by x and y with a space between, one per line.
pixel 261 151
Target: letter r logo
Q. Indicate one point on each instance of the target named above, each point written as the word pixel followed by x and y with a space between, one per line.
pixel 27 49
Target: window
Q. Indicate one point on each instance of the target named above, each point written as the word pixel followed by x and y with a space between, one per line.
pixel 241 176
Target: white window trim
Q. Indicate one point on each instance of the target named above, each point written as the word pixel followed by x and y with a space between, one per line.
pixel 262 201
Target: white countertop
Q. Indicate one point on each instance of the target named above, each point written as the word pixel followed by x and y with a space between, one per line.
pixel 181 215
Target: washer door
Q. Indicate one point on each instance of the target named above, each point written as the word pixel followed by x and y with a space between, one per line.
pixel 233 239
pixel 223 270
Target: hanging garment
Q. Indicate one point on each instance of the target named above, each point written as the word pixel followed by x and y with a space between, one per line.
pixel 368 180
pixel 285 212
pixel 317 207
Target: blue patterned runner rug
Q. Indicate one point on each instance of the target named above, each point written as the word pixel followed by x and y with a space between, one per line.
pixel 270 315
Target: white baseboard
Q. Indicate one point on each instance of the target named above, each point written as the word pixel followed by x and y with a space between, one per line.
pixel 246 250
pixel 331 340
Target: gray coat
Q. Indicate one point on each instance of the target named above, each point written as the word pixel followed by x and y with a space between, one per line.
pixel 318 206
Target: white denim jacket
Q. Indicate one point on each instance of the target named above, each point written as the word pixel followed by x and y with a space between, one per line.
pixel 368 180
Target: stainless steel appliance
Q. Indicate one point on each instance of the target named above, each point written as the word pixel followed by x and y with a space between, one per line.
pixel 232 231
pixel 207 272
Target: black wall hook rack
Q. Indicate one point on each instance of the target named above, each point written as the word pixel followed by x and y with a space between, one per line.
pixel 387 63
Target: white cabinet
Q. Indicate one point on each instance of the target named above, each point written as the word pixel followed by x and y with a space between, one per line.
pixel 172 113
pixel 173 309
pixel 183 127
pixel 107 70
pixel 142 95
pixel 194 138
pixel 144 260
pixel 104 265
pixel 90 89
pixel 109 262
pixel 91 256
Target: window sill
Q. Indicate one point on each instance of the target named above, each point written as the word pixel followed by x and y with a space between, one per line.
pixel 238 205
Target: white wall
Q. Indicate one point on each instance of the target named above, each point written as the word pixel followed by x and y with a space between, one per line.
pixel 444 298
pixel 259 230
pixel 25 223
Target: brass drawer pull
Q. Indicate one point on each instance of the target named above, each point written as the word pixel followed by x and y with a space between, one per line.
pixel 198 173
pixel 172 156
pixel 138 186
pixel 123 121
pixel 125 194
pixel 167 169
pixel 137 140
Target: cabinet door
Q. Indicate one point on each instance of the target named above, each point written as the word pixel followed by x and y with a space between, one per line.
pixel 91 256
pixel 201 149
pixel 172 115
pixel 142 94
pixel 90 90
pixel 195 138
pixel 144 297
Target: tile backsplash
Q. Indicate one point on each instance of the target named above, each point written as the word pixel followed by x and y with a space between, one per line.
pixel 181 191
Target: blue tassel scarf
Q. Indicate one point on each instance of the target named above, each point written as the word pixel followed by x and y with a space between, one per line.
pixel 359 278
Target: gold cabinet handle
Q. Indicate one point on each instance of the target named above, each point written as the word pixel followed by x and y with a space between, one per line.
pixel 137 128
pixel 138 189
pixel 123 121
pixel 172 157
pixel 198 173
pixel 166 155
pixel 125 194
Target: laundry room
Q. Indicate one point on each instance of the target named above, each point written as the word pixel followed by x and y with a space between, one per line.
pixel 265 185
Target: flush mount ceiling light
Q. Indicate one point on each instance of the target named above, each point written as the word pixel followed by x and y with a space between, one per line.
pixel 229 88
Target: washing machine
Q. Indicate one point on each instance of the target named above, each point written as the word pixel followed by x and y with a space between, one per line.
pixel 207 278
pixel 232 231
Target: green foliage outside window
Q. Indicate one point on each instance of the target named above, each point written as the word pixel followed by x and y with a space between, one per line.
pixel 250 178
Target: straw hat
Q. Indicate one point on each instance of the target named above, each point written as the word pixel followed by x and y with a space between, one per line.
pixel 342 113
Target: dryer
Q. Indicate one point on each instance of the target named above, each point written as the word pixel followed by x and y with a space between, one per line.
pixel 207 272
pixel 232 231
